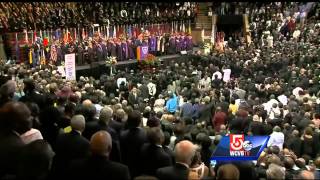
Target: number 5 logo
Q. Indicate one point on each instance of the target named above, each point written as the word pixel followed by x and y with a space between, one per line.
pixel 236 142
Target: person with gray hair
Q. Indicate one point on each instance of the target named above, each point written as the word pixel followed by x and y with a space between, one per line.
pixel 106 115
pixel 7 91
pixel 78 123
pixel 70 146
pixel 184 152
pixel 275 171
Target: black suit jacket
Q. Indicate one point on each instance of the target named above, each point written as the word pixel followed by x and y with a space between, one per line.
pixel 206 113
pixel 153 158
pixel 96 126
pixel 131 142
pixel 170 153
pixel 10 149
pixel 70 146
pixel 97 167
pixel 117 126
pixel 176 172
pixel 35 98
pixel 133 100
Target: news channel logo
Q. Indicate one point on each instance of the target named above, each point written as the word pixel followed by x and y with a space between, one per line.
pixel 240 147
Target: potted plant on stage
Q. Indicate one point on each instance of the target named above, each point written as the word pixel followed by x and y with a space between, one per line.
pixel 150 62
pixel 111 61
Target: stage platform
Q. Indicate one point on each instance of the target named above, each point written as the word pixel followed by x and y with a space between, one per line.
pixel 121 63
pixel 96 69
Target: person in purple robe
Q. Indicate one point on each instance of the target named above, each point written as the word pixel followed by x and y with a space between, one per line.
pixel 124 50
pixel 104 50
pixel 152 44
pixel 131 49
pixel 178 44
pixel 189 43
pixel 120 57
pixel 113 49
pixel 109 45
pixel 99 51
pixel 181 43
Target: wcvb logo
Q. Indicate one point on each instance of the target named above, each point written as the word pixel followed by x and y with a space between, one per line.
pixel 238 145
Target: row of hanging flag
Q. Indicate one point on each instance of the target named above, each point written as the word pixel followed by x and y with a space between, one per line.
pixel 46 37
pixel 78 34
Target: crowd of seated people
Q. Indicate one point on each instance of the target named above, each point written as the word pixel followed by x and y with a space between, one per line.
pixel 166 124
pixel 17 16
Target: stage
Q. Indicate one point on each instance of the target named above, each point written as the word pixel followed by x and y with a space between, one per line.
pixel 96 69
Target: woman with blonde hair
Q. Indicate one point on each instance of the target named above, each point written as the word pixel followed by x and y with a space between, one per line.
pixel 198 170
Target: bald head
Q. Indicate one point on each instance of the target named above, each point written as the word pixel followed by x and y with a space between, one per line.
pixel 87 102
pixel 101 143
pixel 15 116
pixel 306 175
pixel 106 114
pixel 184 151
pixel 78 123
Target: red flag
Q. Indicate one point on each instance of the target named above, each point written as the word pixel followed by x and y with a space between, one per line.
pixel 45 42
pixel 35 35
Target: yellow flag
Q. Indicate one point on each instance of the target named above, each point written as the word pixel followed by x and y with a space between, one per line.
pixel 30 56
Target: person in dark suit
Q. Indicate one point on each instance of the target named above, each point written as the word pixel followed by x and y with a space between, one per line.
pixel 131 141
pixel 206 112
pixel 166 147
pixel 31 95
pixel 98 165
pixel 89 112
pixel 70 146
pixel 144 91
pixel 14 121
pixel 117 123
pixel 35 161
pixel 152 154
pixel 133 98
pixel 105 117
pixel 184 152
pixel 256 126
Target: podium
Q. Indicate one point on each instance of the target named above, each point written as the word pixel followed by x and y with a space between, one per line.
pixel 142 52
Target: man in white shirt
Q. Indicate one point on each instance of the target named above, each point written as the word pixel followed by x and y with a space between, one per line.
pixel 217 73
pixel 276 138
pixel 152 89
pixel 120 80
pixel 296 91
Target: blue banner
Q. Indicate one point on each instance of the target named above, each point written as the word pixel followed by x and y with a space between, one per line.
pixel 239 147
